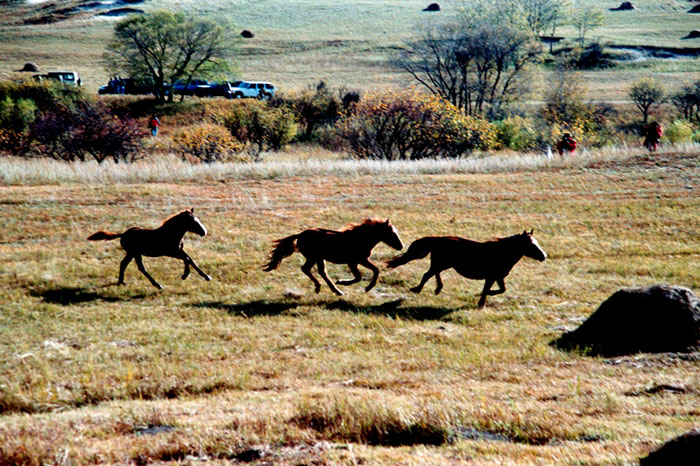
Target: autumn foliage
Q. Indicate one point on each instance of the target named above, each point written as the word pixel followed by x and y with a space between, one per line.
pixel 405 125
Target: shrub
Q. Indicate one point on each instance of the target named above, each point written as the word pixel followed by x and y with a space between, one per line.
pixel 207 143
pixel 260 126
pixel 84 132
pixel 314 108
pixel 47 95
pixel 407 126
pixel 516 133
pixel 15 119
pixel 678 132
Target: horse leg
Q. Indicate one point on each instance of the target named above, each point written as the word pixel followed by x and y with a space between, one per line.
pixel 438 286
pixel 189 261
pixel 375 273
pixel 501 287
pixel 306 268
pixel 142 269
pixel 122 267
pixel 356 276
pixel 426 276
pixel 187 269
pixel 486 291
pixel 322 272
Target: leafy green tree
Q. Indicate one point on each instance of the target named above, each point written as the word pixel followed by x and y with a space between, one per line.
pixel 646 94
pixel 584 19
pixel 163 47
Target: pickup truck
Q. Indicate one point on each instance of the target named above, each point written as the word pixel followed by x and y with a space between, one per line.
pixel 257 89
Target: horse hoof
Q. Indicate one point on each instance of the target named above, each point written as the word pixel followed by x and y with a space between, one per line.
pixel 339 293
pixel 160 287
pixel 415 290
pixel 207 278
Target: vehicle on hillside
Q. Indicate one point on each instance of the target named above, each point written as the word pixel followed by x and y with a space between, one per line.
pixel 128 86
pixel 198 87
pixel 257 89
pixel 70 78
pixel 218 89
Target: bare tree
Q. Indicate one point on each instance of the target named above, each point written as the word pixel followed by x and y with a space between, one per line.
pixel 479 67
pixel 687 101
pixel 584 19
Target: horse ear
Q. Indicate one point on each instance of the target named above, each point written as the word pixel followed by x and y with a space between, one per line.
pixel 532 231
pixel 192 209
pixel 387 222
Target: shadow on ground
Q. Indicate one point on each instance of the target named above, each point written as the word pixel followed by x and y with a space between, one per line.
pixel 390 308
pixel 67 296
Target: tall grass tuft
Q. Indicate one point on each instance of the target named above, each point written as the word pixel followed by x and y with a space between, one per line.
pixel 374 423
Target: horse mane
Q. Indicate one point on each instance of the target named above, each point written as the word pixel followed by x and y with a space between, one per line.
pixel 172 217
pixel 365 222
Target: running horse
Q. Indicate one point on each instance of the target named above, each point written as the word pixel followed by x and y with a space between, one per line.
pixel 352 246
pixel 491 260
pixel 166 240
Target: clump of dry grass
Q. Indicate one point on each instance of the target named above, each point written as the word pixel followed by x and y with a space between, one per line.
pixel 375 422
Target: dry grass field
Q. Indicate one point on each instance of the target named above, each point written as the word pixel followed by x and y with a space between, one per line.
pixel 346 43
pixel 255 367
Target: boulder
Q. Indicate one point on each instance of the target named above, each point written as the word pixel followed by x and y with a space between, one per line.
pixel 694 34
pixel 695 9
pixel 432 7
pixel 30 67
pixel 624 6
pixel 246 34
pixel 680 451
pixel 658 319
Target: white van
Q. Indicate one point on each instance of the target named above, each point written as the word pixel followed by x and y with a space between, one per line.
pixel 66 77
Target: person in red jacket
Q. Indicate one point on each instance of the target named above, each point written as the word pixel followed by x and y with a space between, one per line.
pixel 652 135
pixel 567 144
pixel 153 125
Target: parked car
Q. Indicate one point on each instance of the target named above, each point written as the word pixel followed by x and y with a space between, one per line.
pixel 70 78
pixel 259 89
pixel 194 87
pixel 129 86
pixel 220 89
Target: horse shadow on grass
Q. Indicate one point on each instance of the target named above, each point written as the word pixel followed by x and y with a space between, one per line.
pixel 392 309
pixel 67 296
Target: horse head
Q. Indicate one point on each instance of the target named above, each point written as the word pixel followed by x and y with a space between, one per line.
pixel 391 236
pixel 532 248
pixel 192 223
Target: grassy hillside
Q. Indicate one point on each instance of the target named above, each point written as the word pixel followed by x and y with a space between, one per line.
pixel 254 365
pixel 345 43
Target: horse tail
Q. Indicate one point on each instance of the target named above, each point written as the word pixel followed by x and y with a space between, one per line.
pixel 104 236
pixel 417 250
pixel 285 247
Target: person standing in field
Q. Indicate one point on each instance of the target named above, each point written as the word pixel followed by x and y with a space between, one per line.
pixel 153 124
pixel 652 136
pixel 567 144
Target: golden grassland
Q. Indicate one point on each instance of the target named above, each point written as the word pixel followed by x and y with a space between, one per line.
pixel 254 366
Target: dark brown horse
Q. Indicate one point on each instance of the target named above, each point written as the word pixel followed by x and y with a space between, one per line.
pixel 166 240
pixel 351 246
pixel 491 261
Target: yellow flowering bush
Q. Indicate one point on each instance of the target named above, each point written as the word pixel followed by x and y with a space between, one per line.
pixel 406 125
pixel 207 143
